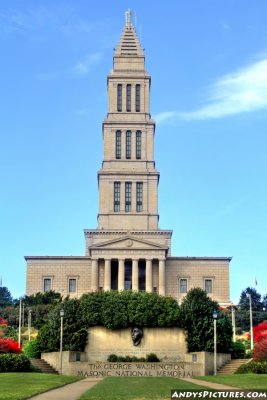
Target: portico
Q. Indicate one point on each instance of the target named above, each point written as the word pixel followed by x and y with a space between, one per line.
pixel 129 273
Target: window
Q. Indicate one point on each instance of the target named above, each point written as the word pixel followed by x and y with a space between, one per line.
pixel 118 145
pixel 139 196
pixel 137 98
pixel 128 144
pixel 117 196
pixel 119 97
pixel 138 144
pixel 128 196
pixel 72 285
pixel 47 284
pixel 208 285
pixel 183 285
pixel 128 98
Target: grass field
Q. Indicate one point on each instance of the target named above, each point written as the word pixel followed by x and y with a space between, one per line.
pixel 136 388
pixel 19 386
pixel 244 381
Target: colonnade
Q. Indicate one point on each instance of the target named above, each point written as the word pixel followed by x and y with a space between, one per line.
pixel 135 275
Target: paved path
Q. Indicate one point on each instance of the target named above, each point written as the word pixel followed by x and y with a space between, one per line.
pixel 211 385
pixel 72 391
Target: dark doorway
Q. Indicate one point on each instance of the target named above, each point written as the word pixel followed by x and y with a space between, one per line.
pixel 114 274
pixel 142 274
pixel 128 274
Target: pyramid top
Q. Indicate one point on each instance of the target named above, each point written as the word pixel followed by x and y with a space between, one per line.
pixel 129 44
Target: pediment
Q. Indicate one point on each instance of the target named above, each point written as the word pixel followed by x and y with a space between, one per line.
pixel 129 242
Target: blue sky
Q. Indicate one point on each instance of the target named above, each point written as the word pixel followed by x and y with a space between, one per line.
pixel 208 62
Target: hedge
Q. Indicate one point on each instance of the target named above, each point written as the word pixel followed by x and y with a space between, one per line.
pixel 254 367
pixel 14 363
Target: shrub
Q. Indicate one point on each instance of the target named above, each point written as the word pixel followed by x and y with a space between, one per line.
pixel 149 358
pixel 9 346
pixel 14 363
pixel 114 310
pixel 260 332
pixel 152 358
pixel 249 353
pixel 238 350
pixel 196 318
pixel 253 367
pixel 112 358
pixel 260 350
pixel 31 349
pixel 3 322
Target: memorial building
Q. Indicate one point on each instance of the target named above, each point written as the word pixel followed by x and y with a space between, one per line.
pixel 128 250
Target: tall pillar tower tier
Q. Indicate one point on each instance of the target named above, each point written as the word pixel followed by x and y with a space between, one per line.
pixel 128 179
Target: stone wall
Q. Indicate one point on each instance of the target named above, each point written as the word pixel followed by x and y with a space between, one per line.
pixel 202 366
pixel 167 343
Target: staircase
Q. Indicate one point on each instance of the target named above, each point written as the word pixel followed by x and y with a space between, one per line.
pixel 232 366
pixel 43 366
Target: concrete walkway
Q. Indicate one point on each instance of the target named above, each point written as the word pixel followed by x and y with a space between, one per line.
pixel 72 391
pixel 211 385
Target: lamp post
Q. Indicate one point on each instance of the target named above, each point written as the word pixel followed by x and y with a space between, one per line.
pixel 61 340
pixel 215 316
pixel 251 321
pixel 20 304
pixel 29 323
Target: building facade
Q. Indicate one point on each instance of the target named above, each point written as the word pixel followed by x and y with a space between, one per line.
pixel 128 250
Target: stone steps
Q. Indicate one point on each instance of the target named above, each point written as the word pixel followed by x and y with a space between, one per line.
pixel 232 366
pixel 43 366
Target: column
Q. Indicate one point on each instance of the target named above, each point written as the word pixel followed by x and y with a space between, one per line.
pixel 107 275
pixel 148 275
pixel 162 277
pixel 94 276
pixel 135 275
pixel 121 275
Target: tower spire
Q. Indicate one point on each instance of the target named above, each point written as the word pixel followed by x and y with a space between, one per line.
pixel 128 18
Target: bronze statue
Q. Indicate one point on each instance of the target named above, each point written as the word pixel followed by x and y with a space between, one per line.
pixel 137 334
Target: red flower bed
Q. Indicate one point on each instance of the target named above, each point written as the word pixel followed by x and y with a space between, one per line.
pixel 260 331
pixel 9 346
pixel 3 322
pixel 260 350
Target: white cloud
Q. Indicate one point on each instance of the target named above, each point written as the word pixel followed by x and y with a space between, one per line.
pixel 242 91
pixel 83 67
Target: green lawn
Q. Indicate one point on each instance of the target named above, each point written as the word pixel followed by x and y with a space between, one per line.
pixel 22 385
pixel 136 388
pixel 244 381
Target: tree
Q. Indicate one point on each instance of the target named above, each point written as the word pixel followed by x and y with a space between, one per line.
pixel 5 297
pixel 196 317
pixel 242 314
pixel 255 300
